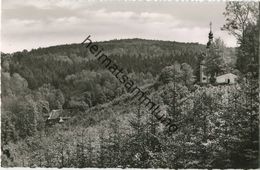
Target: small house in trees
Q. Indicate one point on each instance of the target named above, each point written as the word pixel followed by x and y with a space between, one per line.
pixel 56 116
pixel 228 78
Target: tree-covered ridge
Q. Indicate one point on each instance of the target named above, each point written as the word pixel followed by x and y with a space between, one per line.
pixel 71 69
pixel 146 56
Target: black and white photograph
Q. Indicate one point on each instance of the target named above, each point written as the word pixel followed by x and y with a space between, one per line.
pixel 143 84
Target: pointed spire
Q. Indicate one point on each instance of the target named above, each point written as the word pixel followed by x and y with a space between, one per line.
pixel 210 32
pixel 210 35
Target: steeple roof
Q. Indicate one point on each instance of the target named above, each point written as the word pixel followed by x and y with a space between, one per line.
pixel 210 36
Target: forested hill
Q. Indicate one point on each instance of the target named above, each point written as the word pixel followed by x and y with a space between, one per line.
pixel 125 45
pixel 72 69
pixel 106 128
pixel 67 77
pixel 144 55
pixel 53 64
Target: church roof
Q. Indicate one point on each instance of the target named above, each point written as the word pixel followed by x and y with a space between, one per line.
pixel 210 36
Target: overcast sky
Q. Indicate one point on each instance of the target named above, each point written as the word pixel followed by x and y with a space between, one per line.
pixel 28 24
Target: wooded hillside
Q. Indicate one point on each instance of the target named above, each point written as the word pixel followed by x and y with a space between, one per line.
pixel 217 125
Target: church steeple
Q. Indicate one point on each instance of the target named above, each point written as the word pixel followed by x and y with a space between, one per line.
pixel 210 36
pixel 204 78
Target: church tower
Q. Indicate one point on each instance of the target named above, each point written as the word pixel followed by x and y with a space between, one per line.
pixel 203 77
pixel 210 36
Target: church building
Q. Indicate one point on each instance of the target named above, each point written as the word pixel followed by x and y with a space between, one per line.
pixel 224 78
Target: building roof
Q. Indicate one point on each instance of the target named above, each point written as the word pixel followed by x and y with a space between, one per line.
pixel 227 75
pixel 55 114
